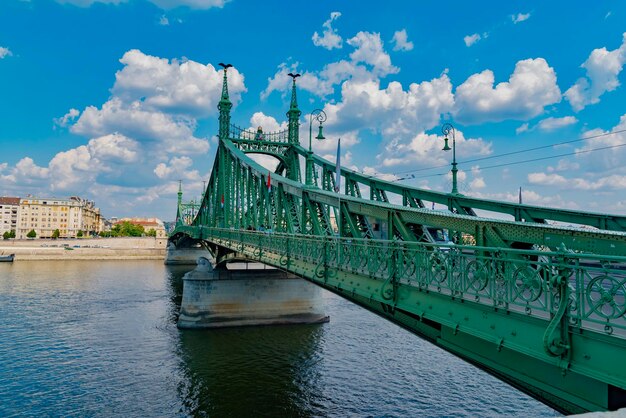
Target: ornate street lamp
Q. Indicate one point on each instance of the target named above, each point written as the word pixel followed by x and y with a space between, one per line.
pixel 320 116
pixel 446 129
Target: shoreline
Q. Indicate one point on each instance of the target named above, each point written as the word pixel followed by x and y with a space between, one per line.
pixel 144 248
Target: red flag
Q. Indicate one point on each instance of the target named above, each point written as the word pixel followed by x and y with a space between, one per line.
pixel 222 201
pixel 269 182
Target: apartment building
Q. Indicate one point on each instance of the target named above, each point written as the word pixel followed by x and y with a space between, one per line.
pixel 45 215
pixel 9 212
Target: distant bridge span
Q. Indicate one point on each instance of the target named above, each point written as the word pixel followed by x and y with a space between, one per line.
pixel 539 305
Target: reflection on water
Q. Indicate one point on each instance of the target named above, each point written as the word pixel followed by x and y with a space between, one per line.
pixel 100 339
pixel 250 371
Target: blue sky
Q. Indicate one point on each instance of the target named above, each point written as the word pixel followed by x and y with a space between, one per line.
pixel 115 100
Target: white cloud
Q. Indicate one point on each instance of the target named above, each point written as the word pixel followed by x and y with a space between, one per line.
pixel 330 38
pixel 5 52
pixel 612 158
pixel 114 148
pixel 471 39
pixel 602 68
pixel 267 161
pixel 370 171
pixel 369 50
pixel 520 17
pixel 550 124
pixel 156 102
pixel 29 171
pixel 425 150
pixel 547 179
pixel 329 145
pixel 603 170
pixel 368 61
pixel 164 4
pixel 77 169
pixel 563 165
pixel 615 182
pixel 268 123
pixel 67 118
pixel 177 169
pixel 478 183
pixel 391 110
pixel 166 133
pixel 181 87
pixel 401 41
pixel 522 128
pixel 531 88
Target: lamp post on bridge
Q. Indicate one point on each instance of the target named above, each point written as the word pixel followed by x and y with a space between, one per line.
pixel 320 116
pixel 446 129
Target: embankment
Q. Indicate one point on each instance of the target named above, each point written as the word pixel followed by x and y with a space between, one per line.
pixel 145 248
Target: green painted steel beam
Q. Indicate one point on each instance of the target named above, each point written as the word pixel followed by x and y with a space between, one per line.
pixel 600 241
pixel 529 212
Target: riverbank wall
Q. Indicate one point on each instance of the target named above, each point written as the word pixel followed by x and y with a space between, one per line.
pixel 144 248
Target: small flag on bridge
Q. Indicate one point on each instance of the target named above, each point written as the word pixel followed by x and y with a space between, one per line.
pixel 338 174
pixel 269 182
pixel 222 202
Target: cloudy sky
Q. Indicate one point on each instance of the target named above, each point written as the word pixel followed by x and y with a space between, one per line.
pixel 115 100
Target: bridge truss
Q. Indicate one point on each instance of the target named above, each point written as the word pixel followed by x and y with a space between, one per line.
pixel 494 298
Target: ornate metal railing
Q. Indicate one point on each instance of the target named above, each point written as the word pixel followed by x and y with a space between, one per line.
pixel 188 212
pixel 237 133
pixel 528 282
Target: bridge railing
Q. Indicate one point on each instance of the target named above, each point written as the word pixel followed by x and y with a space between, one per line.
pixel 237 133
pixel 529 282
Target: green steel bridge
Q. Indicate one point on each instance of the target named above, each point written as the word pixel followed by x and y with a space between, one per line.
pixel 537 299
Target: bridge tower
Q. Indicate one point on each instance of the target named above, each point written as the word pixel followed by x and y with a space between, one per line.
pixel 293 122
pixel 224 106
pixel 221 296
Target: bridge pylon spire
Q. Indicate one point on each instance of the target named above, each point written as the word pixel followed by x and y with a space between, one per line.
pixel 293 115
pixel 180 200
pixel 224 105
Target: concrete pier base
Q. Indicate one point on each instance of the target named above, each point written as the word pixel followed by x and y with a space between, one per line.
pixel 184 255
pixel 230 298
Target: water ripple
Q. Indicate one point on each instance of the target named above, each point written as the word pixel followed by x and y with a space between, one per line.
pixel 92 339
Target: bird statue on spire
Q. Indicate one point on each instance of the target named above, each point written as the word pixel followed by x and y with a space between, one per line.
pixel 294 76
pixel 226 66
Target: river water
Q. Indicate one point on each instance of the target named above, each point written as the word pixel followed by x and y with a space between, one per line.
pixel 99 338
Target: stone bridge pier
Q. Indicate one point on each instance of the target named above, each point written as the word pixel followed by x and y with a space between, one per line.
pixel 247 294
pixel 184 251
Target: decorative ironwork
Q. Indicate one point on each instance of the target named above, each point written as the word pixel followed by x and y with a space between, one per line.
pixel 516 287
pixel 241 134
pixel 606 296
pixel 516 283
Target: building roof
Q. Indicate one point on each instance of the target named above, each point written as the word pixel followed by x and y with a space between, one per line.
pixel 14 201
